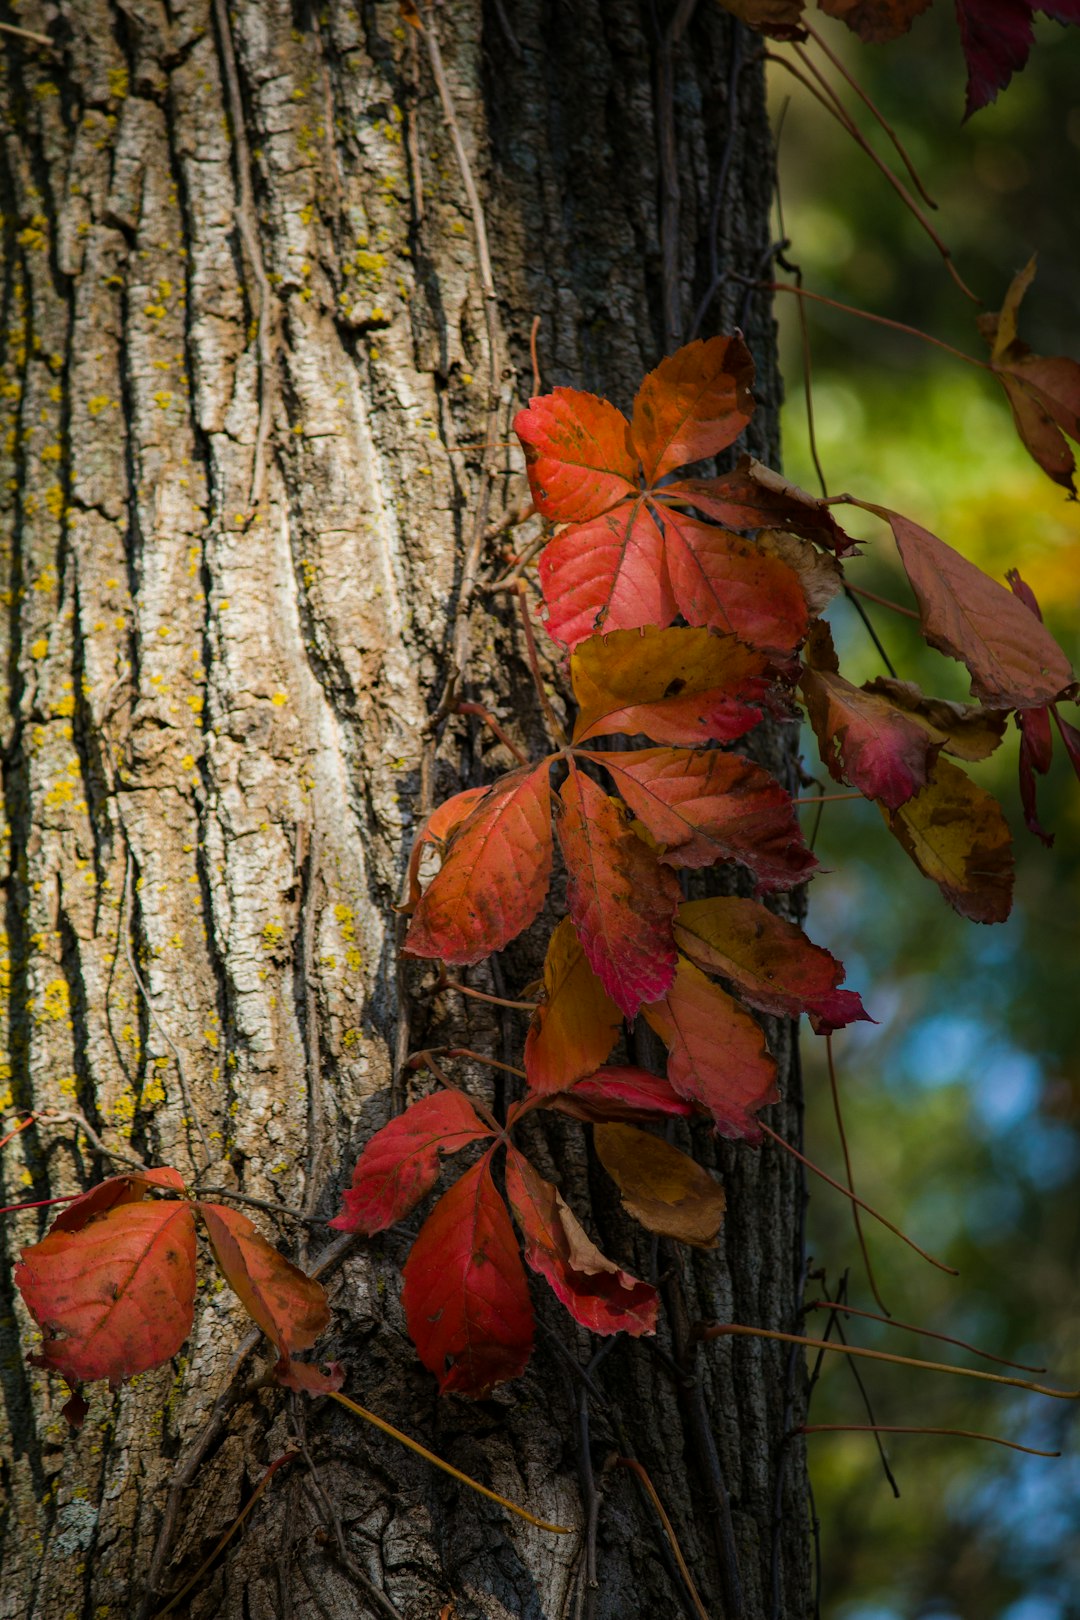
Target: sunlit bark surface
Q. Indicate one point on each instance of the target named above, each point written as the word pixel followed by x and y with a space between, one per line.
pixel 251 414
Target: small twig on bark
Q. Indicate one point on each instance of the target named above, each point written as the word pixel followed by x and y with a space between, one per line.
pixel 374 1594
pixel 669 1530
pixel 27 33
pixel 480 713
pixel 320 1141
pixel 670 193
pixel 50 1116
pixel 534 355
pixel 285 1210
pixel 185 1089
pixel 841 1132
pixel 481 995
pixel 555 725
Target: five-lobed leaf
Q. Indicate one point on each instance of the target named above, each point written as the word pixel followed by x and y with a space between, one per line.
pixel 116 1296
pixel 597 1293
pixel 465 1295
pixel 401 1162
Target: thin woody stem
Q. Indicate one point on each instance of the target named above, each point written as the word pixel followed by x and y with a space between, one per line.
pixel 21 1126
pixel 444 1080
pixel 482 995
pixel 905 1428
pixel 877 320
pixel 720 1330
pixel 869 1208
pixel 493 725
pixel 478 1057
pixel 554 723
pixel 929 1333
pixel 650 1490
pixel 874 111
pixel 447 1468
pixel 859 1233
pixel 883 601
pixel 828 798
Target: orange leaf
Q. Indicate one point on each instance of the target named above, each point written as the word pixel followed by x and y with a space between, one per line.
pixel 705 806
pixel 290 1307
pixel 771 963
pixel 607 574
pixel 495 874
pixel 115 1297
pixel 667 1191
pixel 956 834
pixel 730 584
pixel 692 405
pixel 1014 661
pixel 595 1291
pixel 577 453
pixel 622 901
pixel 576 1024
pixel 465 1295
pixel 437 829
pixel 402 1161
pixel 716 1051
pixel 676 686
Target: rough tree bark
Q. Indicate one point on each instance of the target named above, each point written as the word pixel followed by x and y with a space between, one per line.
pixel 257 395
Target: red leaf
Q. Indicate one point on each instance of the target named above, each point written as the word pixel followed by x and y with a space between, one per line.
pixel 957 836
pixel 725 582
pixel 769 962
pixel 693 405
pixel 116 1297
pixel 997 36
pixel 289 1306
pixel 595 1291
pixel 130 1188
pixel 576 1024
pixel 465 1295
pixel 755 497
pixel 1014 662
pixel 608 574
pixel 962 729
pixel 622 901
pixel 402 1161
pixel 495 874
pixel 863 738
pixel 716 1052
pixel 577 453
pixel 1036 748
pixel 621 1093
pixel 438 827
pixel 706 806
pixel 676 686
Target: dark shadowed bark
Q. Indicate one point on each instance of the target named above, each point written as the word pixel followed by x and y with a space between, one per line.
pixel 257 395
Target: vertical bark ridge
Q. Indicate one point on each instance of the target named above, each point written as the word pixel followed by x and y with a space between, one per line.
pixel 215 730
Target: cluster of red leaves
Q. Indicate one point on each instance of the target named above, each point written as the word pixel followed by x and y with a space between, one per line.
pixel 747 562
pixel 112 1285
pixel 996 35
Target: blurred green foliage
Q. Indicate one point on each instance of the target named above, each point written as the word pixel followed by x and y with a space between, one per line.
pixel 962 1105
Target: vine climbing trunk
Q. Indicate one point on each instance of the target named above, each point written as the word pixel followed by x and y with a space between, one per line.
pixel 269 278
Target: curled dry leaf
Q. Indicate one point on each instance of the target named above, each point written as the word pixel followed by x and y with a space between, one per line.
pixel 717 1054
pixel 876 20
pixel 621 899
pixel 130 1188
pixel 401 1162
pixel 957 836
pixel 596 1292
pixel 779 19
pixel 965 730
pixel 116 1296
pixel 677 685
pixel 664 1189
pixel 769 962
pixel 576 1024
pixel 755 497
pixel 465 1295
pixel 494 876
pixel 1043 393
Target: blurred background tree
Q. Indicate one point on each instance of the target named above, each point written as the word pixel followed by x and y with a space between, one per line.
pixel 961 1104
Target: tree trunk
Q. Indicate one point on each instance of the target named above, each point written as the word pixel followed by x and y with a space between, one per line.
pixel 258 394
